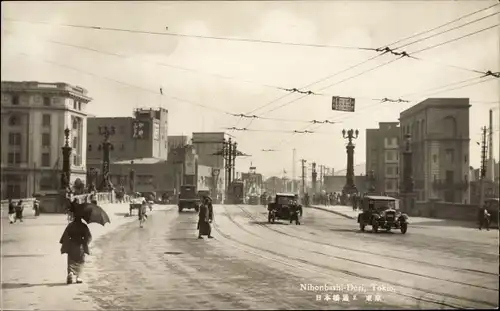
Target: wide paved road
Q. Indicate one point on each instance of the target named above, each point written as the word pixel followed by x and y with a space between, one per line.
pixel 252 264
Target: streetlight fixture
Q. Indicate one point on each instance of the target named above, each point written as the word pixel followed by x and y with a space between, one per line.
pixel 350 135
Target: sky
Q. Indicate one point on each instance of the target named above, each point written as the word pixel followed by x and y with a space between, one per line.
pixel 125 70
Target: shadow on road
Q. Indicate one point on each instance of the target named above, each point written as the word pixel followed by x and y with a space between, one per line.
pixel 122 214
pixel 451 223
pixel 22 256
pixel 267 223
pixel 26 285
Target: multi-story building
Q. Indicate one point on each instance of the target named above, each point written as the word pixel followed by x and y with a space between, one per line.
pixel 439 129
pixel 139 143
pixel 143 136
pixel 382 156
pixel 207 144
pixel 34 116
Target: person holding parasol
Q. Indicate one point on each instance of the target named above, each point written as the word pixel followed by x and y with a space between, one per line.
pixel 76 237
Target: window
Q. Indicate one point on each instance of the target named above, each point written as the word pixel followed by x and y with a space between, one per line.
pixel 74 104
pixel 14 158
pixel 122 147
pixel 15 100
pixel 75 123
pixel 14 121
pixel 465 158
pixel 90 148
pixel 45 139
pixel 450 177
pixel 389 170
pixel 46 183
pixel 389 185
pixel 394 141
pixel 434 158
pixel 46 120
pixel 79 105
pixel 450 155
pixel 45 159
pixel 46 101
pixel 15 139
pixel 397 170
pixel 389 155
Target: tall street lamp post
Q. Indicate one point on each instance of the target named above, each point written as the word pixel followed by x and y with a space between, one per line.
pixel 350 187
pixel 66 169
pixel 107 147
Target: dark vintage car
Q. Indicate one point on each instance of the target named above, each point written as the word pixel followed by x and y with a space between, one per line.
pixel 280 208
pixel 188 198
pixel 381 212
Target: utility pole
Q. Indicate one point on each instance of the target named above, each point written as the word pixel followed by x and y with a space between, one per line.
pixel 314 178
pixel 321 177
pixel 484 150
pixel 303 176
pixel 293 171
pixel 407 183
pixel 491 163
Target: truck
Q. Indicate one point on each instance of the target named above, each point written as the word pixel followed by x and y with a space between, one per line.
pixel 188 198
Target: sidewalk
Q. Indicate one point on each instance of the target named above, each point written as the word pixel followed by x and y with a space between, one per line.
pixel 348 212
pixel 33 269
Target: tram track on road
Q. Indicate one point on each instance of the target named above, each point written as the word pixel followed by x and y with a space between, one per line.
pixel 456 269
pixel 351 274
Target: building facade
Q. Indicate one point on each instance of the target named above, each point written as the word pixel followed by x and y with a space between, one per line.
pixel 382 156
pixel 143 136
pixel 34 116
pixel 439 129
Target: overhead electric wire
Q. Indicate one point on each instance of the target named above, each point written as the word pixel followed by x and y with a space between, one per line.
pixel 192 36
pixel 160 64
pixel 125 83
pixel 445 31
pixel 442 25
pixel 453 40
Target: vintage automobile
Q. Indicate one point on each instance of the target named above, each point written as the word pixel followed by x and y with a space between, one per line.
pixel 188 198
pixel 382 212
pixel 280 208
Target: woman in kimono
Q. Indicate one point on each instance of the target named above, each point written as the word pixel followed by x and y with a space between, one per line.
pixel 205 217
pixel 75 242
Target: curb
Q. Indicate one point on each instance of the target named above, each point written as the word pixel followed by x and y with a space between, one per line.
pixel 333 212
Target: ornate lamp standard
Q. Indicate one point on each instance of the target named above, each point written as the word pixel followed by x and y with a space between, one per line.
pixel 66 169
pixel 349 187
pixel 106 148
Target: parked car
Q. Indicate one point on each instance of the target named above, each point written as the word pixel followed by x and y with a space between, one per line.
pixel 381 212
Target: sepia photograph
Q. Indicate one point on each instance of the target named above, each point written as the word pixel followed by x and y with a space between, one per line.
pixel 250 155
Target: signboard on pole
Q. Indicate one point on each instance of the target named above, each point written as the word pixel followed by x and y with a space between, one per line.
pixel 343 104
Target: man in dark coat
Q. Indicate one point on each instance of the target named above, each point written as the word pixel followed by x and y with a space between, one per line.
pixel 205 217
pixel 12 211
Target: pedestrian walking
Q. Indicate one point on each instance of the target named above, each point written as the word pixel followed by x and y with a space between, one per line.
pixel 205 217
pixel 19 211
pixel 12 211
pixel 36 207
pixel 75 242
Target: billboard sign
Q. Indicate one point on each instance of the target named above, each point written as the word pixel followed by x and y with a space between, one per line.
pixel 343 104
pixel 139 130
pixel 156 131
